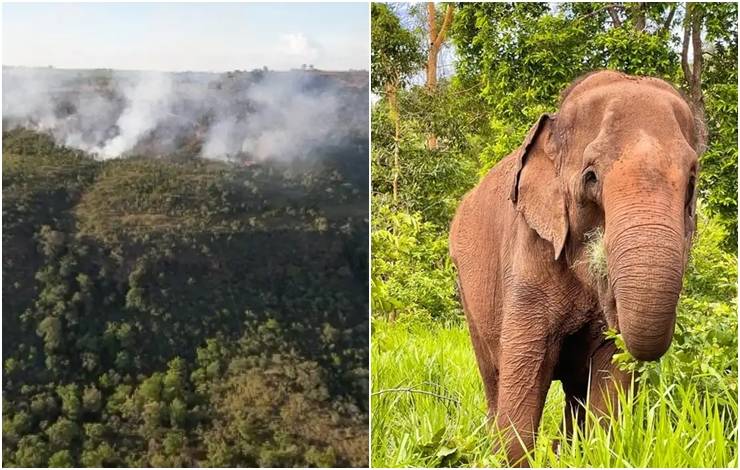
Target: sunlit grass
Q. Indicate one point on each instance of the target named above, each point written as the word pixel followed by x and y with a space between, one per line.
pixel 428 410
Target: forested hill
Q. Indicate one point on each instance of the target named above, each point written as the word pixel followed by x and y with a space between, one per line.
pixel 178 311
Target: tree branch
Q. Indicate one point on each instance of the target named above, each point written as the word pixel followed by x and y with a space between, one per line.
pixel 669 19
pixel 614 15
pixel 432 21
pixel 685 47
pixel 593 12
pixel 696 47
pixel 445 26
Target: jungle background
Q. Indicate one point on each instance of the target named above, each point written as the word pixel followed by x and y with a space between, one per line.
pixel 456 87
pixel 167 310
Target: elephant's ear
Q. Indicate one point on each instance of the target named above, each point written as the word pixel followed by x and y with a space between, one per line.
pixel 537 191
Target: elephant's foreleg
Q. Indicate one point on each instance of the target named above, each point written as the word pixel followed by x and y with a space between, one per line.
pixel 525 374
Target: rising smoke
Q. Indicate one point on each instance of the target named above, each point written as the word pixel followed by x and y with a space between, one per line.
pixel 256 115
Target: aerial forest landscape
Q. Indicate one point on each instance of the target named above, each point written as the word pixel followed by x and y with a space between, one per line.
pixel 463 92
pixel 185 270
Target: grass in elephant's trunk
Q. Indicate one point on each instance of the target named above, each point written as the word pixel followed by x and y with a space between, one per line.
pixel 428 410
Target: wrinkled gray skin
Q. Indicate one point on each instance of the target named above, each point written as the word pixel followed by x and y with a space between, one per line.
pixel 620 156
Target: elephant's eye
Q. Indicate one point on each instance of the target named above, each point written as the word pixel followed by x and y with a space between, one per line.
pixel 589 177
pixel 589 187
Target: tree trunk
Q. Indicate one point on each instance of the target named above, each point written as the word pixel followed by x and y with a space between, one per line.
pixel 639 12
pixel 692 73
pixel 669 19
pixel 391 92
pixel 435 44
pixel 614 16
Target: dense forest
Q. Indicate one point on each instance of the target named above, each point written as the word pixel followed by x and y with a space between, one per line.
pixel 170 310
pixel 458 85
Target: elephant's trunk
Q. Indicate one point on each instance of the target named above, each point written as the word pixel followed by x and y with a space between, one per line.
pixel 645 258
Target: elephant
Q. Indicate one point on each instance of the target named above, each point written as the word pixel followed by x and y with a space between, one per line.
pixel 586 227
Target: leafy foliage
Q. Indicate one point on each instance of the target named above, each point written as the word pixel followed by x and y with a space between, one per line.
pixel 719 163
pixel 414 277
pixel 395 54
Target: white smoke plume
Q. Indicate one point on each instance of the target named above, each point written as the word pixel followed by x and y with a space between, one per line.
pixel 147 103
pixel 234 116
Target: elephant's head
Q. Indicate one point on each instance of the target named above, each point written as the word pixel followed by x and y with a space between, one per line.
pixel 612 175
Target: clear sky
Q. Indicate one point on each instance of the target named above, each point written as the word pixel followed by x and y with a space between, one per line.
pixel 187 36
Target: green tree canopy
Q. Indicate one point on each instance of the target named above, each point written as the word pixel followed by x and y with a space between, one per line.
pixel 395 52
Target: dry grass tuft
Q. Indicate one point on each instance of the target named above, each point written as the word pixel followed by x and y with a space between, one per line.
pixel 596 253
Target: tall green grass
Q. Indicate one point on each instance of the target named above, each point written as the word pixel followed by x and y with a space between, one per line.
pixel 428 410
